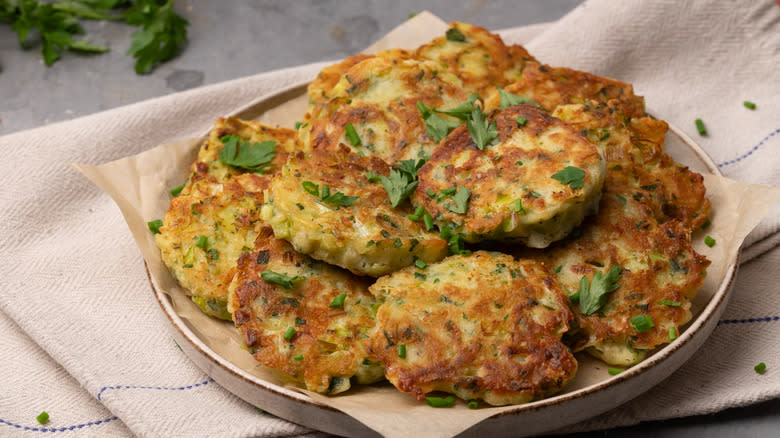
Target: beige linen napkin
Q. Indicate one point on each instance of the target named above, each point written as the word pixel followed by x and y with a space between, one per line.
pixel 76 285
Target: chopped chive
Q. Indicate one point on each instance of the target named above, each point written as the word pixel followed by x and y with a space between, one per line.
pixel 614 371
pixel 438 402
pixel 176 190
pixel 706 224
pixel 709 241
pixel 760 368
pixel 749 105
pixel 298 125
pixel 428 221
pixel 282 280
pixel 43 418
pixel 298 357
pixel 430 193
pixel 417 214
pixel 288 335
pixel 521 121
pixel 519 206
pixel 338 301
pixel 473 404
pixel 642 323
pixel 202 242
pixel 449 191
pixel 558 269
pixel 671 303
pixel 402 351
pixel 700 127
pixel 154 226
pixel 519 162
pixel 672 334
pixel 352 135
pixel 420 263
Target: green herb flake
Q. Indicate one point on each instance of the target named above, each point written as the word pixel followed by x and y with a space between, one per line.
pixel 709 241
pixel 338 199
pixel 352 135
pixel 461 199
pixel 254 157
pixel 311 188
pixel 420 263
pixel 759 369
pixel 372 177
pixel 402 351
pixel 176 190
pixel 706 224
pixel 282 280
pixel 672 334
pixel 430 193
pixel 594 296
pixel 642 323
pixel 428 221
pixel 154 226
pixel 521 121
pixel 439 402
pixel 213 254
pixel 298 125
pixel 749 105
pixel 473 404
pixel 700 127
pixel 519 162
pixel 614 371
pixel 481 130
pixel 43 417
pixel 671 303
pixel 288 335
pixel 338 301
pixel 455 35
pixel 558 269
pixel 508 99
pixel 420 276
pixel 462 111
pixel 570 175
pixel 417 214
pixel 298 357
pixel 202 242
pixel 519 206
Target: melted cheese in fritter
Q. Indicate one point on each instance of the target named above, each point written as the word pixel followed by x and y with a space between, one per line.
pixel 298 332
pixel 514 196
pixel 482 326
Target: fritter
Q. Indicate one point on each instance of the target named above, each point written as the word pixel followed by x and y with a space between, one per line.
pixel 636 161
pixel 534 185
pixel 479 58
pixel 659 275
pixel 374 108
pixel 214 219
pixel 482 326
pixel 331 207
pixel 305 320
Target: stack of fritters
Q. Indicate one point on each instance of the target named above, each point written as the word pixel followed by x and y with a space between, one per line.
pixel 405 158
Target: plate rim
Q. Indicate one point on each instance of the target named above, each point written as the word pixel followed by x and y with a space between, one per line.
pixel 702 322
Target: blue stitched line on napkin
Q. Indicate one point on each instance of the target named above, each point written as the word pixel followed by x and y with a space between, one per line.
pixel 161 388
pixel 750 152
pixel 749 320
pixel 58 429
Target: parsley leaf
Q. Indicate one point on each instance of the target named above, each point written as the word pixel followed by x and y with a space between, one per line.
pixel 282 280
pixel 398 186
pixel 593 297
pixel 461 201
pixel 339 198
pixel 162 35
pixel 482 131
pixel 508 99
pixel 253 157
pixel 570 175
pixel 437 127
pixel 462 111
pixel 410 167
pixel 454 34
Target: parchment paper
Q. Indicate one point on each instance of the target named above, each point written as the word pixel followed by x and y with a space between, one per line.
pixel 139 185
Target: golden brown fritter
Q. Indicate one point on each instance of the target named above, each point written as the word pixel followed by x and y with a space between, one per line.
pixel 330 207
pixel 214 219
pixel 312 332
pixel 320 88
pixel 661 273
pixel 515 190
pixel 482 326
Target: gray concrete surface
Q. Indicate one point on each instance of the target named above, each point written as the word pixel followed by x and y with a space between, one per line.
pixel 230 39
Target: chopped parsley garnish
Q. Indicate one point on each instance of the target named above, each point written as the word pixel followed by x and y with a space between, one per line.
pixel 614 371
pixel 437 127
pixel 709 241
pixel 372 177
pixel 254 157
pixel 749 105
pixel 338 301
pixel 298 357
pixel 671 303
pixel 402 351
pixel 43 417
pixel 706 224
pixel 439 402
pixel 311 188
pixel 481 130
pixel 154 226
pixel 462 111
pixel 410 167
pixel 700 127
pixel 298 125
pixel 213 254
pixel 280 279
pixel 176 190
pixel 398 186
pixel 202 242
pixel 326 196
pixel 642 323
pixel 593 297
pixel 760 369
pixel 558 269
pixel 508 99
pixel 455 35
pixel 288 335
pixel 420 263
pixel 461 199
pixel 521 121
pixel 672 334
pixel 570 175
pixel 352 135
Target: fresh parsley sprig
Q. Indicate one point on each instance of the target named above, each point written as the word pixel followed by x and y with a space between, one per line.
pixel 398 186
pixel 570 175
pixel 436 126
pixel 481 130
pixel 255 157
pixel 593 295
pixel 338 198
pixel 509 99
